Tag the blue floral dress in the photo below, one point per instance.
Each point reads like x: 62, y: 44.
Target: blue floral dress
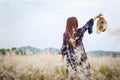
x: 76, y: 58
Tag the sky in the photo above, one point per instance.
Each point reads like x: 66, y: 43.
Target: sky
x: 41, y: 23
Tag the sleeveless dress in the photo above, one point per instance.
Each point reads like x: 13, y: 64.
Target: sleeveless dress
x: 76, y: 59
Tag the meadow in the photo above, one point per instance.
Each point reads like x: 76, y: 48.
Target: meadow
x: 46, y: 66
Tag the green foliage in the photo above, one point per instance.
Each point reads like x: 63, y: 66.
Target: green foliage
x: 107, y: 72
x: 60, y: 70
x: 3, y: 51
x: 14, y: 49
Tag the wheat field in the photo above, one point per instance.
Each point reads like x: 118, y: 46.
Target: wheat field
x: 50, y: 67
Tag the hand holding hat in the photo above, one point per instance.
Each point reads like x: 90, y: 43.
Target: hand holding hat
x: 101, y: 24
x: 98, y: 16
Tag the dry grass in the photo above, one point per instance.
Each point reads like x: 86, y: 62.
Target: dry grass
x: 50, y: 67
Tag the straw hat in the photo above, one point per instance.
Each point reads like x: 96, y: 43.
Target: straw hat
x: 101, y: 25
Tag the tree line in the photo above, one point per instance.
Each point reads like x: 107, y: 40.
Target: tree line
x: 11, y: 51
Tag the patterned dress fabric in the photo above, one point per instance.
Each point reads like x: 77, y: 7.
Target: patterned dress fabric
x: 76, y: 58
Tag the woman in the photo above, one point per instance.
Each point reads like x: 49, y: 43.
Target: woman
x: 76, y: 58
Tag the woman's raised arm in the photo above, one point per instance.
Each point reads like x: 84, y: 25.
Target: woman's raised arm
x: 89, y: 24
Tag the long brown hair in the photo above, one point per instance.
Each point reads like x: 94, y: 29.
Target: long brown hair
x: 71, y: 28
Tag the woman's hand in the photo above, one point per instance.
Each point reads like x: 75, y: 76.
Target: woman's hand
x: 98, y: 16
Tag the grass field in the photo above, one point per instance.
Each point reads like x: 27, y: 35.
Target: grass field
x: 50, y: 67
